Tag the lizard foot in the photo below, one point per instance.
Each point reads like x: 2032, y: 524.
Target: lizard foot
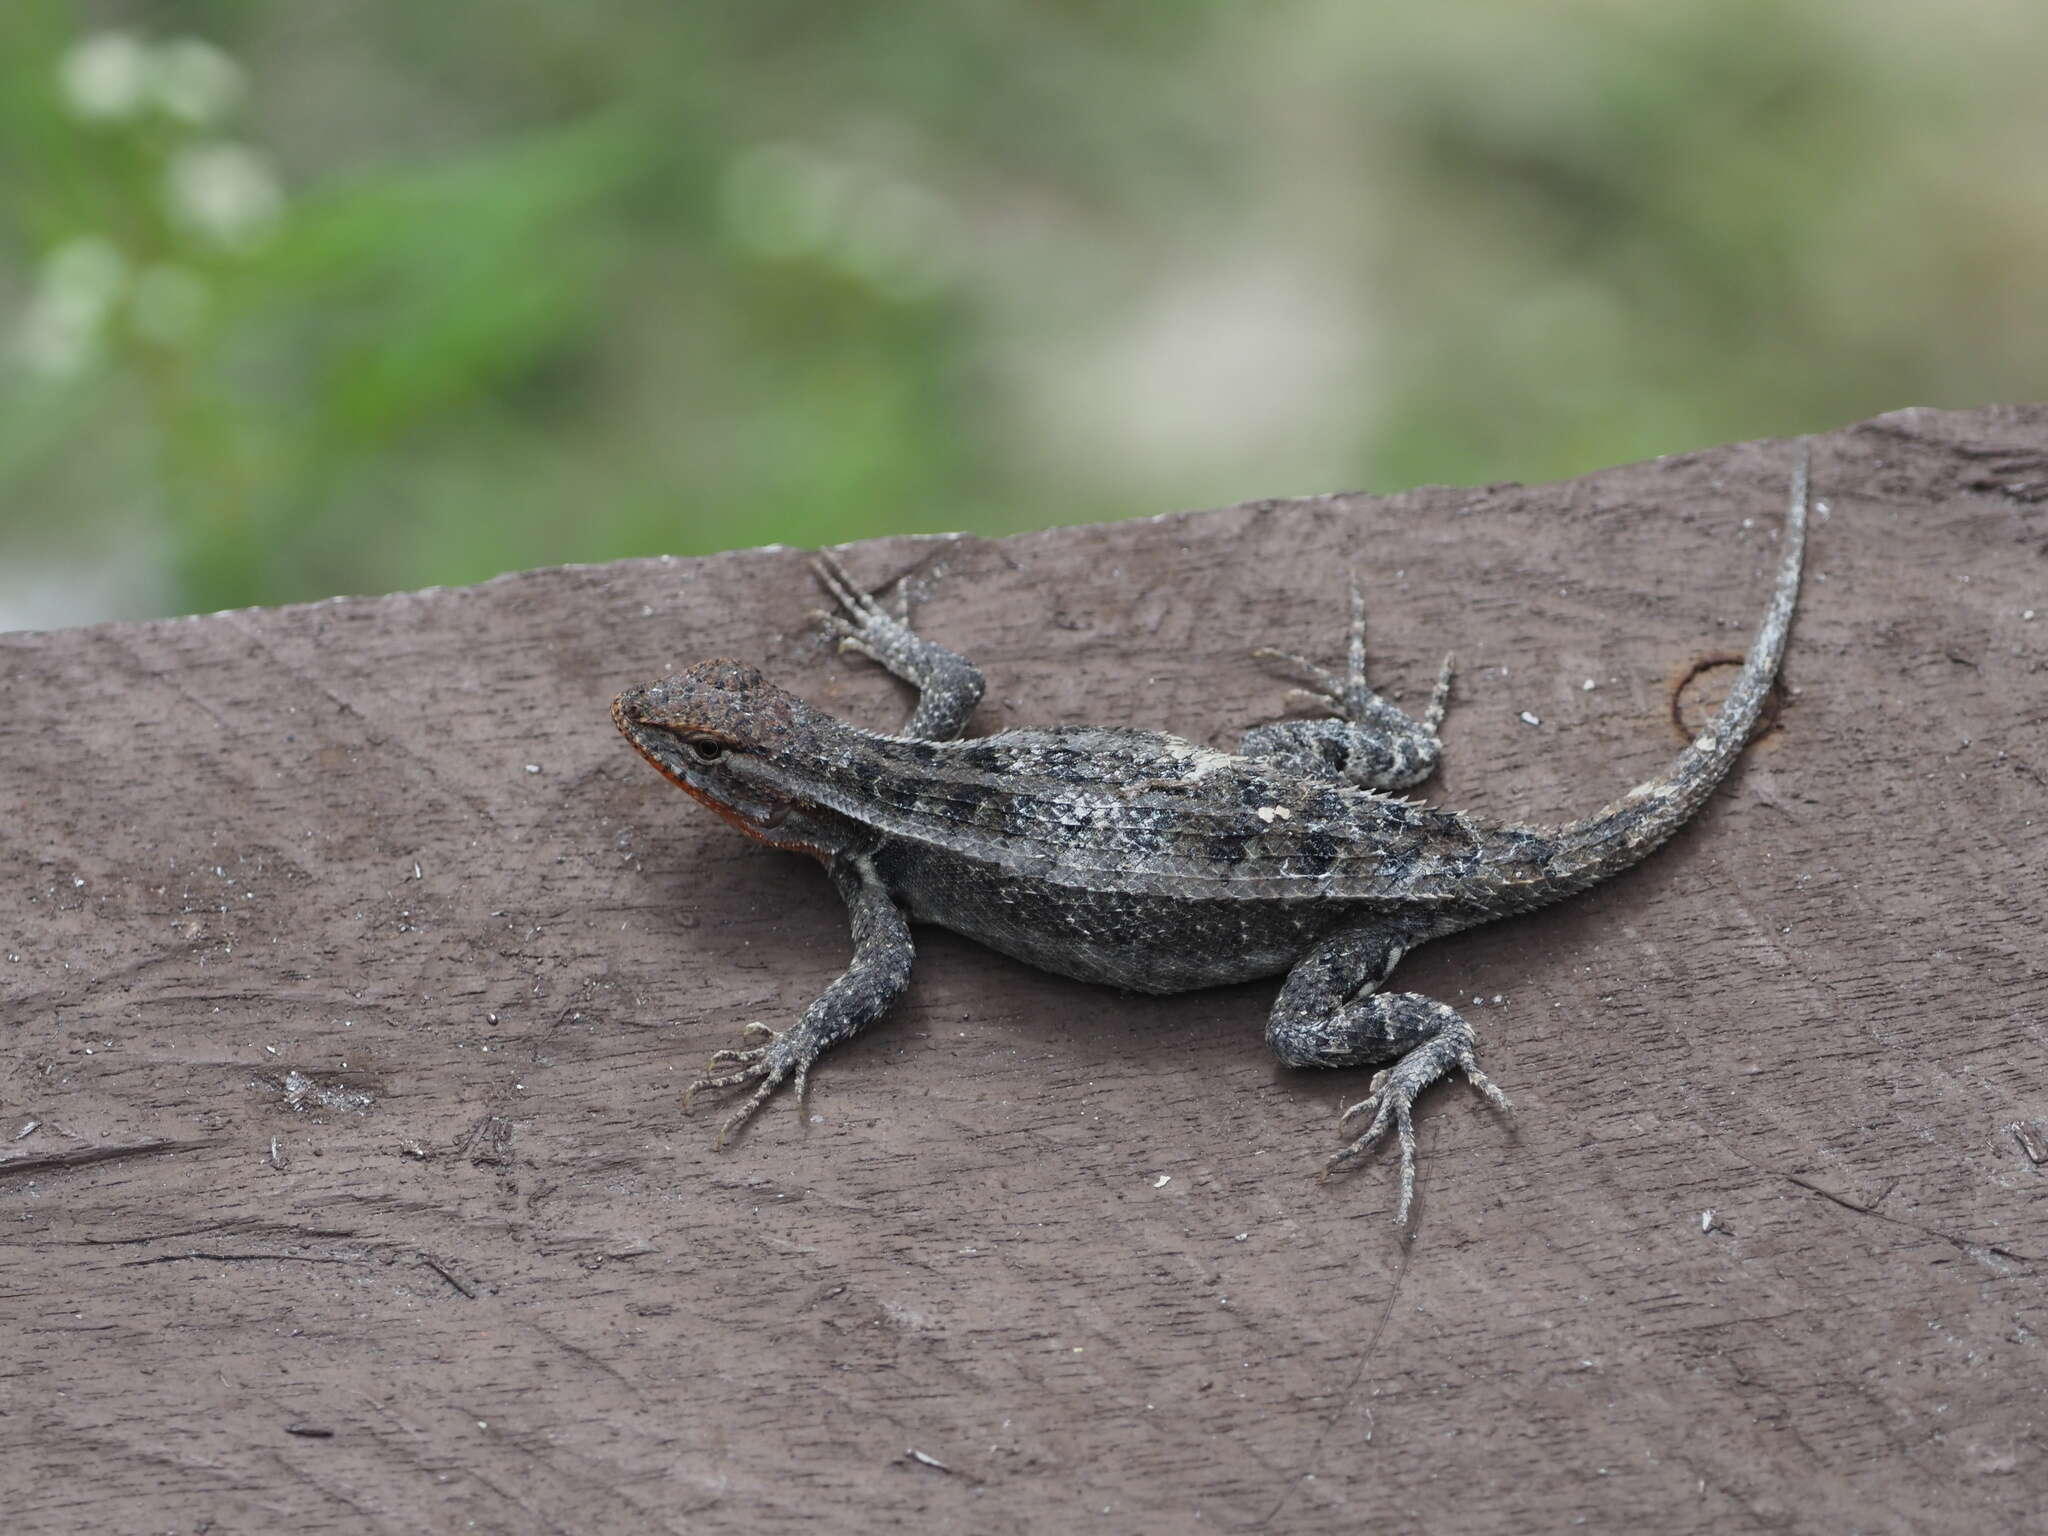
x: 1362, y: 737
x: 867, y: 627
x: 767, y: 1064
x: 1390, y: 1098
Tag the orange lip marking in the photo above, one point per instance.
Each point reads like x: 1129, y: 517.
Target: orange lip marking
x: 731, y: 813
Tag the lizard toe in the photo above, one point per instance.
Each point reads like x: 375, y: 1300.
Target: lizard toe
x: 1388, y: 1109
x: 747, y: 1062
x: 771, y: 1078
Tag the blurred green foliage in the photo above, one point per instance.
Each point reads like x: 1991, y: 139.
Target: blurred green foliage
x: 305, y: 299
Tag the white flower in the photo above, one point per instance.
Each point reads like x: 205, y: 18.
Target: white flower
x: 55, y: 339
x: 60, y: 331
x: 90, y: 269
x: 223, y: 191
x: 784, y: 201
x: 113, y: 76
x: 105, y: 77
x: 195, y: 81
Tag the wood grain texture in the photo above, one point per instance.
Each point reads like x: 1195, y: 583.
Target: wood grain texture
x: 353, y: 964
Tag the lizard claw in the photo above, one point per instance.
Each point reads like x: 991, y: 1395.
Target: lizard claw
x: 1316, y: 699
x: 864, y: 610
x: 1322, y: 684
x: 865, y: 623
x: 836, y: 630
x: 766, y: 1064
x: 1385, y: 1107
x: 845, y: 636
x: 1390, y: 1099
x: 833, y: 578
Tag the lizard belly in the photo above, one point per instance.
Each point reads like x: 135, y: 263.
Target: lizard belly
x: 1140, y: 941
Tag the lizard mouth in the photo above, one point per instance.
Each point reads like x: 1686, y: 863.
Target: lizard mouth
x: 661, y: 744
x: 750, y: 819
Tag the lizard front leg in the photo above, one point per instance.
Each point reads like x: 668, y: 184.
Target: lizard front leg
x: 1369, y: 742
x: 1331, y: 1013
x: 876, y: 978
x: 948, y: 684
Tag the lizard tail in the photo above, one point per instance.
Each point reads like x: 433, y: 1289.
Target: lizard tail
x: 1616, y: 836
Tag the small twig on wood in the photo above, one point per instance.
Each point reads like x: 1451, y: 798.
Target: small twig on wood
x: 81, y: 1157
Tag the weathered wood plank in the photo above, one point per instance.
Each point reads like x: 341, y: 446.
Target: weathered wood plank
x: 353, y: 965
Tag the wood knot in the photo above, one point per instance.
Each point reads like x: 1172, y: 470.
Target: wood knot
x: 1701, y: 688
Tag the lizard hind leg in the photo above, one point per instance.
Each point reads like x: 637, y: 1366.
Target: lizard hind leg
x: 1365, y: 739
x: 1433, y: 1039
x: 1331, y: 1013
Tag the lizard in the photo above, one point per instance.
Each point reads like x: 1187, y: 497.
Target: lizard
x: 1143, y: 861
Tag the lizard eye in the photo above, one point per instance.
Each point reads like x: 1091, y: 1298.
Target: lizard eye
x: 706, y: 749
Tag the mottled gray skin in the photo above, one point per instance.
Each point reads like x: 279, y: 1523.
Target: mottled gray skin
x: 1140, y: 860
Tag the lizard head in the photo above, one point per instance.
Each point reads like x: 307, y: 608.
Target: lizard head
x: 720, y: 731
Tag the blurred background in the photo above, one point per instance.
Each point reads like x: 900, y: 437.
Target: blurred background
x: 308, y: 298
